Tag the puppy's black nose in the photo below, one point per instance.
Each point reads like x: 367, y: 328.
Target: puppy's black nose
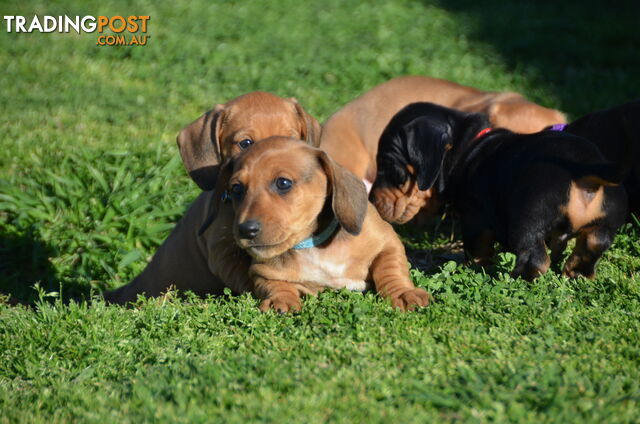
x: 249, y: 229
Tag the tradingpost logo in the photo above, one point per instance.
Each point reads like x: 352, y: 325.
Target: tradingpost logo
x: 125, y: 29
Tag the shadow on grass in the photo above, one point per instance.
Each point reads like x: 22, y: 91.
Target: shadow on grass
x: 24, y: 262
x: 432, y: 243
x: 586, y: 52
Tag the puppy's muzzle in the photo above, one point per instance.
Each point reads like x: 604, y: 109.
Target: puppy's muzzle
x: 249, y: 229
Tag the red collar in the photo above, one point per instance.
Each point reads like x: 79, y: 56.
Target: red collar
x: 481, y: 133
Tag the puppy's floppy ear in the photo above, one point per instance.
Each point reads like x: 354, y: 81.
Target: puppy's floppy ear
x: 226, y: 169
x: 309, y: 127
x: 348, y: 195
x: 199, y: 144
x: 427, y: 143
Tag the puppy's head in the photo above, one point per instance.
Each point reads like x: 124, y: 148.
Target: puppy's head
x: 280, y: 187
x: 513, y: 112
x: 410, y: 158
x: 229, y: 128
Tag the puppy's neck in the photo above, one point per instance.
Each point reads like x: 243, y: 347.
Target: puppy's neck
x: 324, y: 218
x: 465, y: 143
x: 324, y: 221
x: 326, y: 226
x: 471, y: 129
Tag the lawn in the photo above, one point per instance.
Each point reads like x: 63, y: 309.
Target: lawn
x: 91, y: 183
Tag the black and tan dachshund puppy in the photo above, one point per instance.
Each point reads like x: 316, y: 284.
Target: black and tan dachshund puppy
x: 609, y: 129
x: 527, y: 192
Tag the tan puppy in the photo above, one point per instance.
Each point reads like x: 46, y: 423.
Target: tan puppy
x: 200, y: 254
x: 308, y: 226
x: 351, y: 135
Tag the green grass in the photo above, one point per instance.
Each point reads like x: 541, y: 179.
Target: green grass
x: 91, y: 183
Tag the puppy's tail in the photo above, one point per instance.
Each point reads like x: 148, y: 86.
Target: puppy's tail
x: 612, y: 174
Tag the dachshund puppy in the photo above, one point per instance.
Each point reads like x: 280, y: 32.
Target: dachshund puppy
x: 528, y: 192
x: 351, y: 135
x: 608, y: 129
x: 306, y: 223
x: 200, y: 254
x: 231, y: 127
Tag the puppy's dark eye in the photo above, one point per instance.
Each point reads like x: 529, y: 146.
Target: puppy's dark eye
x: 245, y: 143
x: 283, y: 184
x: 237, y: 190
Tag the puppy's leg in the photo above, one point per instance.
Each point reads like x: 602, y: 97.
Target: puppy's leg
x: 529, y: 223
x: 478, y: 241
x: 590, y: 245
x: 527, y: 242
x: 557, y: 243
x: 532, y: 261
x: 390, y: 273
x: 593, y: 240
x: 130, y: 292
x: 279, y: 295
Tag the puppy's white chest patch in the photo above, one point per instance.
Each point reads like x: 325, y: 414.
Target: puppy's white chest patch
x: 329, y: 271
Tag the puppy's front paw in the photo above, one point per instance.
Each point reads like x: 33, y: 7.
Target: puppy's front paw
x: 408, y: 300
x: 575, y: 273
x: 282, y: 303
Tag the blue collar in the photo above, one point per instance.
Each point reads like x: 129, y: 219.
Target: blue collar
x: 319, y: 239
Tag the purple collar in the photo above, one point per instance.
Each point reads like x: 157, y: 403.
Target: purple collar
x: 558, y: 127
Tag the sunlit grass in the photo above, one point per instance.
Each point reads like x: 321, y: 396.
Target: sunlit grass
x: 91, y: 182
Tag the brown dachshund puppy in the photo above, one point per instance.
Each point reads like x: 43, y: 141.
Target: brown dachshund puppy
x: 307, y: 224
x: 200, y: 254
x: 231, y: 127
x: 351, y: 135
x: 525, y: 191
